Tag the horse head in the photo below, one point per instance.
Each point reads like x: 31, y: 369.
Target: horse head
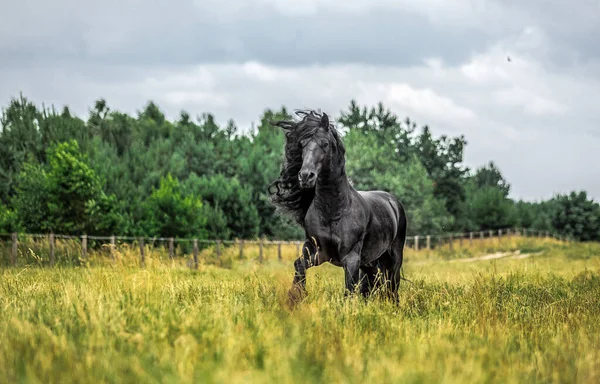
x: 316, y: 154
x: 313, y: 151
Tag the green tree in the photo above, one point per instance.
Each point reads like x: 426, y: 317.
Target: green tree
x: 172, y: 212
x: 20, y: 140
x: 59, y: 195
x: 526, y: 213
x: 231, y: 198
x: 61, y: 173
x: 443, y: 159
x: 489, y: 209
x: 72, y: 184
x: 577, y: 216
x: 490, y: 176
x: 32, y: 199
x: 8, y: 219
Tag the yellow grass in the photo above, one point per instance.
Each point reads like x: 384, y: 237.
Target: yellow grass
x: 526, y: 317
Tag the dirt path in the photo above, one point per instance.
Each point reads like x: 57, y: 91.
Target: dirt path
x: 498, y: 255
x: 491, y: 256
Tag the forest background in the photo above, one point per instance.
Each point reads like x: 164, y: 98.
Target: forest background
x: 144, y: 175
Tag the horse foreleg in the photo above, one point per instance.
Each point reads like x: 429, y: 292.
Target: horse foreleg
x: 351, y: 271
x: 300, y: 268
x: 308, y: 259
x: 298, y: 289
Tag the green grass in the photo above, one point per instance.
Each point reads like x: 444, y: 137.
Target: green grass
x: 535, y: 319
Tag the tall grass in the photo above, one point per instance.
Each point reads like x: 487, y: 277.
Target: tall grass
x: 506, y: 320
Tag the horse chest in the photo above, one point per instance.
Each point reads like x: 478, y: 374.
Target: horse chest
x: 336, y: 233
x: 328, y: 240
x: 329, y: 246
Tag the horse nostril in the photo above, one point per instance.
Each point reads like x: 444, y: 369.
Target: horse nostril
x: 306, y: 176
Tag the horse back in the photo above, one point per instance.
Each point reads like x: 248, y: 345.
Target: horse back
x: 383, y: 205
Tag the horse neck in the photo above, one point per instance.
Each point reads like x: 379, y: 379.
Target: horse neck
x: 332, y: 193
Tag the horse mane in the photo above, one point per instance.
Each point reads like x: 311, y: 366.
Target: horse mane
x: 288, y: 196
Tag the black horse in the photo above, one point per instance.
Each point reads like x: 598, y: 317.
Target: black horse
x: 362, y: 231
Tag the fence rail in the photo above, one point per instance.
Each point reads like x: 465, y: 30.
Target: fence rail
x: 417, y: 242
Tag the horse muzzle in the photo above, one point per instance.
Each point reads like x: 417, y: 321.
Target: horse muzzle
x: 307, y: 179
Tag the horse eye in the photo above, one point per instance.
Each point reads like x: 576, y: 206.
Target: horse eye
x: 325, y: 144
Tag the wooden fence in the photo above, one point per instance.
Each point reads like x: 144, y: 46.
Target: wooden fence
x: 416, y: 243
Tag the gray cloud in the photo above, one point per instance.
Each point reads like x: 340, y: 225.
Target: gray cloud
x: 182, y: 34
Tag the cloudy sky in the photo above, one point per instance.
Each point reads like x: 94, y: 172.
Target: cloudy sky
x: 443, y: 63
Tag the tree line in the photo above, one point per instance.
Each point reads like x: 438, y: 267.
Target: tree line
x: 144, y: 175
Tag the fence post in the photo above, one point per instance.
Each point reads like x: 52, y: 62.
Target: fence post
x: 460, y: 240
x: 481, y: 235
x: 416, y: 242
x: 470, y: 238
x: 547, y: 234
x: 524, y: 232
x: 218, y: 249
x: 241, y: 249
x: 112, y: 248
x: 84, y: 246
x: 195, y: 253
x: 491, y: 233
x: 451, y: 241
x: 298, y: 249
x: 260, y: 251
x: 171, y: 248
x: 428, y: 242
x: 51, y: 240
x: 142, y: 254
x: 14, y: 248
x: 279, y: 251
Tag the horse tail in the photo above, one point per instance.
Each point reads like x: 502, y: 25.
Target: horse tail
x: 401, y: 219
x: 397, y: 248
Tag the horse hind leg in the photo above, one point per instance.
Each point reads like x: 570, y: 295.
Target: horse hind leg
x: 390, y: 265
x: 397, y: 253
x: 368, y: 280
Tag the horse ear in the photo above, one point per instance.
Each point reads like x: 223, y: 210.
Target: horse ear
x: 325, y: 121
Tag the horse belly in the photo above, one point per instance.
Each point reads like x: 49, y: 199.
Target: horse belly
x: 377, y: 241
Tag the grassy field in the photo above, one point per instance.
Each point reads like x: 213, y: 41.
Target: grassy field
x: 532, y: 316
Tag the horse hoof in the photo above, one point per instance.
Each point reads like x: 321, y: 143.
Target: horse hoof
x: 296, y: 294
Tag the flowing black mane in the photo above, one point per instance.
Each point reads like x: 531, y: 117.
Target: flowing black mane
x: 286, y: 192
